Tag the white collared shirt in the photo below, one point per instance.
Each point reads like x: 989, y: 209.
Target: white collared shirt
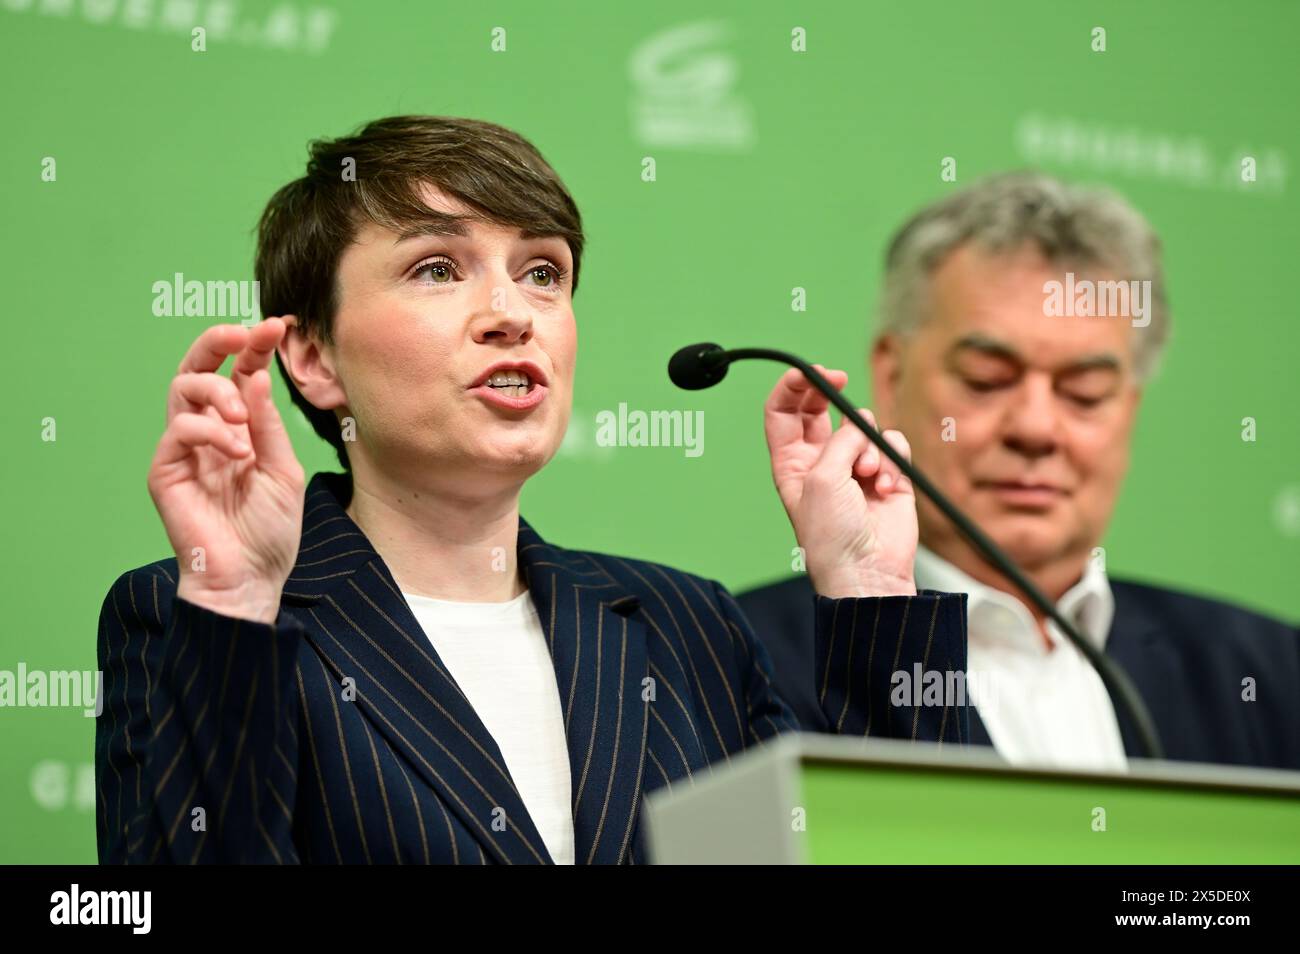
x: 1041, y: 706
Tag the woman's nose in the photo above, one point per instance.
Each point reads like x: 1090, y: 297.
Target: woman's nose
x: 498, y: 314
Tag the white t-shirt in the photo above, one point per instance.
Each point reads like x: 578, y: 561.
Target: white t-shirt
x: 497, y: 654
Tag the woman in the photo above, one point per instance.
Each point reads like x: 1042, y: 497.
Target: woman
x: 390, y: 664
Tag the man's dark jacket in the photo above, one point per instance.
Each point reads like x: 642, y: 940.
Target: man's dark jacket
x: 1222, y: 683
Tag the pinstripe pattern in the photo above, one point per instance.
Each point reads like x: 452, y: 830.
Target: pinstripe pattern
x: 338, y: 735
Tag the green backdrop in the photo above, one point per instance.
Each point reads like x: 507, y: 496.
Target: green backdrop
x: 775, y: 169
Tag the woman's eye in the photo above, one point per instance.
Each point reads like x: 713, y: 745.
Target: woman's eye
x: 982, y: 387
x: 542, y: 276
x: 439, y: 272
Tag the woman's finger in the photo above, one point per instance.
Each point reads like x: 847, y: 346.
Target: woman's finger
x: 262, y: 341
x: 210, y: 349
x: 840, y: 454
x: 891, y: 478
x: 265, y: 427
x: 188, y: 431
x: 814, y: 401
x: 197, y: 391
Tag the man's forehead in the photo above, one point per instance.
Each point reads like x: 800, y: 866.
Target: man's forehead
x: 1010, y: 324
x: 998, y: 304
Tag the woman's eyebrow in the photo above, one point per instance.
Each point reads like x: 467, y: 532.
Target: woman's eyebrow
x: 444, y: 225
x: 456, y: 225
x: 526, y: 234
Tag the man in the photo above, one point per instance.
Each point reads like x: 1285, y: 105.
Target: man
x: 391, y: 664
x: 1015, y: 362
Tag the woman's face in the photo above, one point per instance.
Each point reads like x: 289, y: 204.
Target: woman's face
x: 422, y: 320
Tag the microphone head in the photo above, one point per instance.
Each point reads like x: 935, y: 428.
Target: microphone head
x: 698, y: 366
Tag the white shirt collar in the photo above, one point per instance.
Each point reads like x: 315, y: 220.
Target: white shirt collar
x: 995, y: 616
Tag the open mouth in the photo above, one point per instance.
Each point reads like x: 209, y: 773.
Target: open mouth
x: 514, y: 384
x: 519, y: 386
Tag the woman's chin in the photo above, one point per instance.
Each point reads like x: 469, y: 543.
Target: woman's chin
x: 514, y: 457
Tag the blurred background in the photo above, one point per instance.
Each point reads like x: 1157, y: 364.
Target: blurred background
x: 129, y: 157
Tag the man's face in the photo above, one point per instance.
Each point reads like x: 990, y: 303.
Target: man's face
x: 1023, y: 420
x: 420, y: 321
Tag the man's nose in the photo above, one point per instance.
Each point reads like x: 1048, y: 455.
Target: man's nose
x: 1032, y: 425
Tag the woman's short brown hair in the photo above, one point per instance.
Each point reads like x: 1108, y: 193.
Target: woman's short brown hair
x: 375, y: 176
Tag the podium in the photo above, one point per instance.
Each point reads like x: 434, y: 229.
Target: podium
x: 822, y: 799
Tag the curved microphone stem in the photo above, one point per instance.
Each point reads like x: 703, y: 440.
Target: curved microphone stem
x: 1122, y: 691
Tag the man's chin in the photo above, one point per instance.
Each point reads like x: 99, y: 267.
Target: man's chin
x: 1029, y: 539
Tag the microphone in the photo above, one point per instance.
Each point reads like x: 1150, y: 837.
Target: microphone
x: 697, y: 367
x: 700, y: 366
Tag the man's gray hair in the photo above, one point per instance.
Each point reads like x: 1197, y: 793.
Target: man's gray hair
x: 1085, y: 228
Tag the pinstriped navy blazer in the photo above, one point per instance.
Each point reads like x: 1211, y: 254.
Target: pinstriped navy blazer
x: 338, y: 735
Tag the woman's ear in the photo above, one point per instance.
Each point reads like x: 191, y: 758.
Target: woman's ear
x: 310, y: 366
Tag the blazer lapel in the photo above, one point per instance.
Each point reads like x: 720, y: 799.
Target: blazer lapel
x: 361, y: 625
x: 598, y: 647
x: 1132, y: 643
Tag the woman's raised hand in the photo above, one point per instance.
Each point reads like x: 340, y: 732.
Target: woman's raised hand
x: 225, y: 478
